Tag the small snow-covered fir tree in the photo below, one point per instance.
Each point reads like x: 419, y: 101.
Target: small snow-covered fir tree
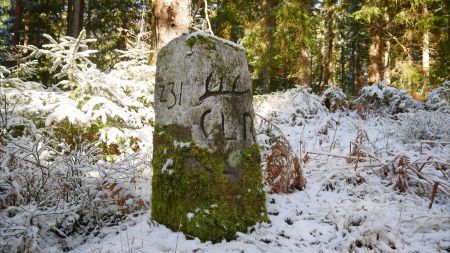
x: 56, y: 145
x: 70, y: 57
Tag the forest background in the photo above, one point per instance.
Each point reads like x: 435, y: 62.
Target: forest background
x: 346, y: 44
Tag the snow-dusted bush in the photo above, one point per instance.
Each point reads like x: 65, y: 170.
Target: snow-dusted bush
x: 388, y: 99
x: 49, y: 192
x: 439, y: 98
x: 423, y: 125
x: 293, y: 106
x: 71, y: 159
x: 334, y: 99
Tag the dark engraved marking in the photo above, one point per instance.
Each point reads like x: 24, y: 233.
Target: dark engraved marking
x: 174, y: 96
x: 209, y: 93
x: 202, y: 122
x: 221, y: 85
x: 162, y: 94
x: 181, y: 92
x: 245, y: 116
x: 208, y: 80
x: 223, y: 122
x: 223, y: 129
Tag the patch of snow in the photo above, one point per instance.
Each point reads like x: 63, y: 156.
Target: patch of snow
x: 439, y: 98
x: 67, y: 109
x: 166, y: 166
x: 210, y: 36
x: 179, y: 144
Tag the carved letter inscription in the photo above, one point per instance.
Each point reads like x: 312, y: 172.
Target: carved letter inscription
x: 220, y: 91
x: 202, y: 122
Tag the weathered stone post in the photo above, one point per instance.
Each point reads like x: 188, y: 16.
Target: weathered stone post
x: 206, y: 163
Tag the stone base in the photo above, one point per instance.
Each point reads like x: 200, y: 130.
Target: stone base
x: 190, y: 188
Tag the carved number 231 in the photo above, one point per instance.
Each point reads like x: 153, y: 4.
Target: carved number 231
x: 172, y: 92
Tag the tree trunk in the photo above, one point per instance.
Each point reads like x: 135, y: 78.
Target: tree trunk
x: 88, y: 18
x: 69, y: 17
x: 304, y: 77
x: 376, y: 71
x: 353, y: 68
x: 387, y: 62
x: 343, y: 65
x: 269, y: 27
x: 17, y: 22
x: 305, y: 55
x: 330, y: 75
x: 426, y: 53
x: 359, y: 70
x: 75, y: 13
x: 171, y: 19
x: 321, y: 62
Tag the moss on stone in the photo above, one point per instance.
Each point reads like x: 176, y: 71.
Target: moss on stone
x: 209, y: 43
x: 193, y: 191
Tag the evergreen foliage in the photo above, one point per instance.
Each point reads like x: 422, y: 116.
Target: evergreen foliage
x: 346, y: 43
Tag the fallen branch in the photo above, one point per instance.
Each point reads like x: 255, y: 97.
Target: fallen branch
x: 431, y: 142
x: 26, y: 160
x: 369, y: 152
x: 421, y: 176
x: 333, y: 155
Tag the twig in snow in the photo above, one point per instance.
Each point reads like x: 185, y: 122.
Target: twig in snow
x: 334, y: 135
x: 178, y: 234
x: 433, y: 194
x: 431, y: 142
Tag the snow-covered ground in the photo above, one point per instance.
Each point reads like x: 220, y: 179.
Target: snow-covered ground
x: 347, y: 206
x: 75, y: 161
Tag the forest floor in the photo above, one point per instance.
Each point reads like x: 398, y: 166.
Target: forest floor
x: 378, y: 204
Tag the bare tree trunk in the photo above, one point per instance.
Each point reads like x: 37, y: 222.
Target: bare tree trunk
x: 305, y: 67
x: 269, y: 27
x: 75, y: 13
x: 88, y: 18
x: 171, y: 19
x: 26, y: 39
x: 353, y: 68
x: 330, y: 75
x: 426, y: 53
x: 376, y: 71
x: 321, y: 63
x: 342, y: 64
x: 207, y: 18
x: 358, y: 71
x: 387, y: 61
x: 69, y: 17
x: 17, y: 22
x: 305, y: 54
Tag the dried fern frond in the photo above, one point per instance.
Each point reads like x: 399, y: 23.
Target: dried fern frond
x: 284, y: 173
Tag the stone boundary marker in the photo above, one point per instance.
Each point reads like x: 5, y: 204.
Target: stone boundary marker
x: 206, y: 163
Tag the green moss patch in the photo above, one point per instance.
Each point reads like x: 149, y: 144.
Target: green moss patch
x: 191, y: 191
x: 203, y: 40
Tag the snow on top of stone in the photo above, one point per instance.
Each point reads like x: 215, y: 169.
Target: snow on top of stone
x: 203, y: 34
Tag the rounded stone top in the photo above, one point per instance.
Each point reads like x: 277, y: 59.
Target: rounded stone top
x: 203, y: 85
